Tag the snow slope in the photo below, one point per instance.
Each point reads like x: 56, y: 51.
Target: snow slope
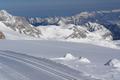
x: 13, y: 35
x: 80, y: 34
x: 17, y: 26
x: 30, y: 60
x: 17, y: 66
x: 71, y: 31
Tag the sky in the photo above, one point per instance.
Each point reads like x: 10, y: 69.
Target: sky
x: 46, y: 8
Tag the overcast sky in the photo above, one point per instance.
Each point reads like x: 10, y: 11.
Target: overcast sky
x: 43, y: 8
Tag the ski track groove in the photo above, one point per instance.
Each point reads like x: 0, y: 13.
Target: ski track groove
x: 36, y: 67
x: 39, y: 61
x: 40, y: 65
x: 6, y: 70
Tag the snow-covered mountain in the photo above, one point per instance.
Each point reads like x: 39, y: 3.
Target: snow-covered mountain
x: 83, y: 25
x: 86, y: 26
x: 108, y: 19
x: 14, y: 27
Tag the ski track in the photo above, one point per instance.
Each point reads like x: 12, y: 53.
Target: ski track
x: 39, y: 65
x: 14, y: 76
x: 36, y: 70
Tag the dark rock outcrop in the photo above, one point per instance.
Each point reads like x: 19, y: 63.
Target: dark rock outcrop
x: 2, y: 36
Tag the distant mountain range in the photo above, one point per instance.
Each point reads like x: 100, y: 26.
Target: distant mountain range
x: 109, y: 19
x: 98, y: 25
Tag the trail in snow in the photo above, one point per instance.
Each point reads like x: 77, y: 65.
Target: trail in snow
x: 7, y: 73
x: 35, y: 69
x: 29, y: 71
x: 36, y: 72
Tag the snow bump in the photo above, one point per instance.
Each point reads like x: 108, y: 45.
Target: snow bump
x: 113, y: 63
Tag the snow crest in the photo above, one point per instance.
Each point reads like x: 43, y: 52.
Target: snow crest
x: 69, y: 56
x: 84, y: 60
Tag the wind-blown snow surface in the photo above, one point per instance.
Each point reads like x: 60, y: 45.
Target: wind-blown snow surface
x: 86, y: 62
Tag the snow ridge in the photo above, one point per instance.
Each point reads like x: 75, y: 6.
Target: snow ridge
x: 69, y: 57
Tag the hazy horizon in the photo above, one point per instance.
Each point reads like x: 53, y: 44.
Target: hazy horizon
x: 45, y: 8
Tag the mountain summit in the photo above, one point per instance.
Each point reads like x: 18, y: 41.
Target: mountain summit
x: 5, y: 16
